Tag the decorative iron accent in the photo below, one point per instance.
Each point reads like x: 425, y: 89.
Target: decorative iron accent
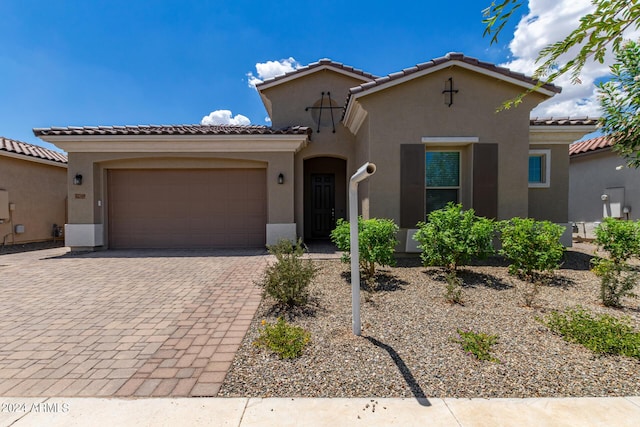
x: 323, y: 107
x: 448, y: 89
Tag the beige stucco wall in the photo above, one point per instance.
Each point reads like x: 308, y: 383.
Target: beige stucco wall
x: 88, y: 203
x: 405, y: 113
x: 362, y: 156
x: 38, y: 191
x: 589, y: 177
x: 289, y: 101
x: 552, y: 203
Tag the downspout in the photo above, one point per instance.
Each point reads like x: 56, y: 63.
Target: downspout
x: 361, y: 174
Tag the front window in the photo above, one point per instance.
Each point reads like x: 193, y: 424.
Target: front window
x: 536, y: 169
x: 442, y: 179
x: 539, y: 168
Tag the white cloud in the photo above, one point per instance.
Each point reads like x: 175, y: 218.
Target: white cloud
x: 550, y: 21
x: 267, y: 119
x: 224, y: 117
x: 266, y: 70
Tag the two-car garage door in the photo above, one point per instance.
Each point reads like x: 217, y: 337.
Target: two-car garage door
x: 186, y: 208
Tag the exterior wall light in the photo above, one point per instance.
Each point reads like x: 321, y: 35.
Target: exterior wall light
x: 77, y: 180
x: 281, y: 179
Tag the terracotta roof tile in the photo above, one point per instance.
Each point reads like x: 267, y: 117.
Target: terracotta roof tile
x: 171, y: 130
x: 592, y: 144
x: 453, y: 56
x: 30, y: 150
x: 320, y: 63
x: 563, y: 121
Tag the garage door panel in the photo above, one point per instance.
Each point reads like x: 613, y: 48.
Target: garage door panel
x: 256, y: 207
x: 187, y: 208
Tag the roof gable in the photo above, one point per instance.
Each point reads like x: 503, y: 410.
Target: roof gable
x: 323, y: 64
x: 354, y: 114
x: 449, y: 60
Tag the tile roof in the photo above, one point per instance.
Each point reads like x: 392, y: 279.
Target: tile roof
x: 30, y: 150
x: 171, y: 130
x: 589, y: 145
x: 320, y: 63
x: 563, y: 121
x: 452, y: 56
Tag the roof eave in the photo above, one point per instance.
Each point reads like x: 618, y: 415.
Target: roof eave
x: 354, y: 116
x: 590, y: 152
x: 187, y: 143
x: 32, y: 159
x: 558, y: 134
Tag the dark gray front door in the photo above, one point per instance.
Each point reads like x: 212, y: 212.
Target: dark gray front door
x: 323, y: 204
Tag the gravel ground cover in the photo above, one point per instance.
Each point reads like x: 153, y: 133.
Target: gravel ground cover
x: 406, y: 347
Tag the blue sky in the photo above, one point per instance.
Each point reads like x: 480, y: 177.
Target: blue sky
x: 77, y: 63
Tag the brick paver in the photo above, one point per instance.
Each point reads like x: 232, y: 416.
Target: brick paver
x: 123, y: 323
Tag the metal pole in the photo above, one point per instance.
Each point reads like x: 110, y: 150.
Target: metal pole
x: 361, y: 174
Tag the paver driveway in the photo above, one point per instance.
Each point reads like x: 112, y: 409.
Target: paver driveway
x: 123, y: 323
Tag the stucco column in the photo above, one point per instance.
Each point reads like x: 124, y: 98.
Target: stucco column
x: 83, y: 229
x: 280, y: 198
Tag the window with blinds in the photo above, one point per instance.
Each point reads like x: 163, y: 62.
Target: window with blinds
x: 442, y: 179
x: 535, y: 169
x: 539, y: 168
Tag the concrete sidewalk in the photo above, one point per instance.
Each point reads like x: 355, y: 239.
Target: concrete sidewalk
x: 615, y: 411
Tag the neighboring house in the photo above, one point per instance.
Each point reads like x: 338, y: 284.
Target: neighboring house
x: 600, y: 185
x: 432, y: 130
x: 33, y: 192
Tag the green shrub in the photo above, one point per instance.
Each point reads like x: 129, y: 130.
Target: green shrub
x: 376, y: 242
x: 477, y: 343
x: 531, y: 246
x: 287, y: 280
x: 620, y: 238
x: 286, y: 340
x: 617, y: 281
x: 601, y: 334
x: 451, y: 237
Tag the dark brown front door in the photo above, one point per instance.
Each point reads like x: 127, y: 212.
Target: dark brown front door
x: 323, y: 205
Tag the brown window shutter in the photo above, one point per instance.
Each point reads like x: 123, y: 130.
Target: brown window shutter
x: 485, y: 180
x: 412, y: 184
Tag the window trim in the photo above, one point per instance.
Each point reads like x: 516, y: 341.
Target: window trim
x: 545, y: 154
x: 458, y: 187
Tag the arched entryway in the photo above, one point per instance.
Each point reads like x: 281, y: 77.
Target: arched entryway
x: 325, y: 195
